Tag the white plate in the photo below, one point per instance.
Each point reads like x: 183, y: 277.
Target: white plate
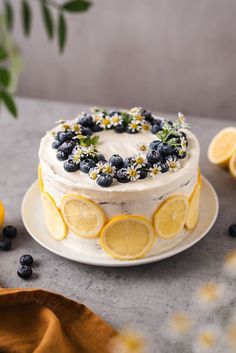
x: 88, y: 250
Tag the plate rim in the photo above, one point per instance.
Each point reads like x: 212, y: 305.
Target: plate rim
x: 126, y: 263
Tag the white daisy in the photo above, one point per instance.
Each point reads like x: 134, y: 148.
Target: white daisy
x: 135, y: 111
x: 93, y: 173
x: 173, y: 164
x: 142, y: 147
x: 76, y: 128
x: 146, y: 126
x: 97, y: 116
x: 77, y: 154
x: 139, y: 160
x: 134, y: 126
x: 133, y: 173
x: 116, y: 119
x: 108, y: 169
x: 154, y: 170
x: 100, y: 165
x: 105, y: 122
x: 88, y: 150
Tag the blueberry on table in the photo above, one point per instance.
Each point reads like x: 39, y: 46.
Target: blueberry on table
x: 64, y: 136
x: 56, y: 144
x: 105, y: 180
x: 86, y: 165
x: 153, y: 156
x: 70, y: 166
x: 9, y: 232
x: 232, y: 230
x: 67, y: 147
x: 5, y: 244
x: 116, y: 161
x: 121, y: 176
x: 62, y: 156
x: 25, y: 272
x: 26, y: 260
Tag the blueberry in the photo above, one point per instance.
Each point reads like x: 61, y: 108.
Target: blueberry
x: 101, y: 157
x: 104, y: 180
x: 182, y: 155
x: 154, y: 145
x: 232, y: 230
x: 97, y: 128
x: 127, y: 162
x: 86, y: 131
x: 114, y: 112
x: 26, y: 260
x: 148, y: 116
x: 155, y: 128
x: 143, y: 173
x: 121, y: 176
x: 62, y: 156
x: 67, y: 147
x: 120, y: 129
x: 56, y: 144
x: 25, y: 272
x: 116, y: 161
x: 165, y: 149
x: 63, y: 136
x: 86, y: 120
x: 164, y: 167
x: 153, y: 156
x: 5, y: 244
x: 86, y: 165
x: 70, y: 166
x: 9, y: 232
x: 157, y: 121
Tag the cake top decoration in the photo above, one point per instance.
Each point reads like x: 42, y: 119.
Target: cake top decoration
x: 77, y: 143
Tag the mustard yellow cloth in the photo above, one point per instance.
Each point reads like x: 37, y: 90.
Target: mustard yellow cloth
x: 37, y: 321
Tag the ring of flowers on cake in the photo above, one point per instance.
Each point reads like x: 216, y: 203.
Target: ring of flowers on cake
x: 127, y: 236
x: 77, y: 148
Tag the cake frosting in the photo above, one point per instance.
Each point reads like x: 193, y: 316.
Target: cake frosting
x: 139, y: 197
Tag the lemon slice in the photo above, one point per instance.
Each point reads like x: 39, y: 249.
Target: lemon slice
x: 2, y: 214
x: 232, y: 165
x: 40, y: 179
x: 127, y: 237
x: 194, y: 207
x: 83, y: 216
x: 169, y: 219
x: 53, y: 218
x: 199, y: 178
x: 222, y: 146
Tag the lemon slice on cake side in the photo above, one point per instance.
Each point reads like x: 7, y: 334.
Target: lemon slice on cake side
x: 222, y: 147
x: 127, y: 237
x: 2, y: 214
x: 170, y: 217
x: 82, y: 216
x: 194, y: 208
x: 53, y: 218
x: 232, y: 165
x: 40, y: 178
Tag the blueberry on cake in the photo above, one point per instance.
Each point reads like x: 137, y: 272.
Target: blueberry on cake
x: 125, y: 176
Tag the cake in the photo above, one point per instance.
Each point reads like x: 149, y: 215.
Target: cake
x: 126, y: 177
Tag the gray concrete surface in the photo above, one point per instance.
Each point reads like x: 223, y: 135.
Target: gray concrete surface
x: 140, y: 296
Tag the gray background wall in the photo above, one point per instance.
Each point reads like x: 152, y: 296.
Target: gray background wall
x: 166, y: 55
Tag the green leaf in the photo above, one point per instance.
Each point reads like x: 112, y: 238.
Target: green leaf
x: 5, y: 77
x: 62, y: 32
x: 8, y: 100
x: 48, y: 20
x: 94, y: 140
x: 76, y: 5
x: 3, y: 54
x: 26, y: 17
x: 9, y: 14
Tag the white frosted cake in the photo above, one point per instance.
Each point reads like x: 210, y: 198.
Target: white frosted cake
x: 127, y: 177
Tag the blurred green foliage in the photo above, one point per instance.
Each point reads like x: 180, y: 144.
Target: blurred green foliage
x: 55, y: 25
